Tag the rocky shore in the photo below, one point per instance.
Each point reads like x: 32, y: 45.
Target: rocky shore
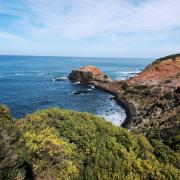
x: 149, y: 98
x: 91, y: 75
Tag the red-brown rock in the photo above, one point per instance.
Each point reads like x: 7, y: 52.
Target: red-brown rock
x: 164, y: 71
x: 88, y: 74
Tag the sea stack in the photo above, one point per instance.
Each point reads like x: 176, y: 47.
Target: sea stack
x: 88, y: 74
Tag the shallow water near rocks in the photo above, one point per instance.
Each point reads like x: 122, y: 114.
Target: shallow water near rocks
x: 29, y: 83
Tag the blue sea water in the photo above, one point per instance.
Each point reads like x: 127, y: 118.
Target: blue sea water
x: 27, y: 84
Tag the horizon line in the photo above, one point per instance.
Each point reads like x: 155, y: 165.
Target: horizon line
x: 65, y: 56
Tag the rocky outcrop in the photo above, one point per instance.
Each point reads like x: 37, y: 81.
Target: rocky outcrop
x: 88, y: 74
x: 150, y: 98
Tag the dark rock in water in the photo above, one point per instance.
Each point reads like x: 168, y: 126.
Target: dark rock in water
x: 88, y: 74
x: 79, y: 92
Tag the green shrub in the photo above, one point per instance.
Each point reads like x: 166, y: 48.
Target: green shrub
x: 64, y: 144
x: 168, y: 96
x: 50, y: 155
x: 168, y: 81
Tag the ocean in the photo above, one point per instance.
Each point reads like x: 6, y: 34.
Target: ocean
x: 27, y: 84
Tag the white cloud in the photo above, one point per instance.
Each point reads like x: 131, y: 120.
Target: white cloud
x: 12, y: 37
x: 82, y: 18
x: 94, y: 27
x: 90, y: 18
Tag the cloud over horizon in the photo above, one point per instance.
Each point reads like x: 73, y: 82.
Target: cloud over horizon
x: 91, y: 21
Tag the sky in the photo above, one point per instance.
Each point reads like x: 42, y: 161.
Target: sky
x: 91, y: 28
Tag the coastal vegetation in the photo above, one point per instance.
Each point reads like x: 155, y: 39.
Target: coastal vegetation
x: 173, y: 56
x: 64, y: 144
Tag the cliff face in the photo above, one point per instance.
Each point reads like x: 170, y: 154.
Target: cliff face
x: 165, y: 71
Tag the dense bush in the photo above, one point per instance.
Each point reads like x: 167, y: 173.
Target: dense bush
x: 139, y: 89
x: 167, y: 132
x: 63, y: 144
x: 8, y: 137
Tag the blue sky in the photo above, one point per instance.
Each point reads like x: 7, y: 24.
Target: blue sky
x: 104, y: 28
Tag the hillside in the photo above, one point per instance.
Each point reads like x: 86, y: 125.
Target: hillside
x: 164, y: 71
x: 63, y: 144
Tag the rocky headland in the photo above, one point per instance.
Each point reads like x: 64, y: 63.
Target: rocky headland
x: 150, y: 99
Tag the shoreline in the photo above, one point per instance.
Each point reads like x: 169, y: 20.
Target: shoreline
x: 128, y: 123
x: 123, y: 103
x: 90, y: 75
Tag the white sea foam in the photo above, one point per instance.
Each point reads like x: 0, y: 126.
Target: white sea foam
x: 89, y: 89
x: 116, y: 118
x: 124, y: 75
x: 60, y: 78
x: 63, y: 77
x: 91, y: 86
x: 77, y: 82
x: 127, y: 72
x: 66, y: 78
x: 24, y: 74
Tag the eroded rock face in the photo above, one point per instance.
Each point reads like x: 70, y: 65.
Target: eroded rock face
x: 164, y: 71
x: 88, y: 74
